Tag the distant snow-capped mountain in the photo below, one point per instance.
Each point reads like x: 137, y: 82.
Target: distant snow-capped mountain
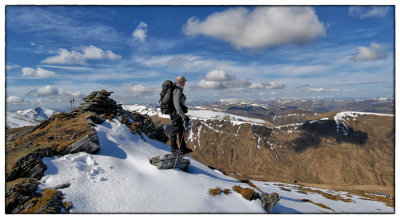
x: 28, y: 117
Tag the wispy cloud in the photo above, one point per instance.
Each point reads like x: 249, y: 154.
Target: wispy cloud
x: 81, y: 55
x: 9, y: 67
x: 40, y: 21
x: 261, y: 27
x: 267, y: 86
x: 303, y: 85
x: 73, y: 68
x: 37, y: 73
x: 322, y: 90
x: 364, y: 12
x: 360, y: 83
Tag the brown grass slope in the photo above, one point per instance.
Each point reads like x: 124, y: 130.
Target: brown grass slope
x: 314, y: 152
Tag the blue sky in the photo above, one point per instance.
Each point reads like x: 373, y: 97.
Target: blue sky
x: 56, y: 53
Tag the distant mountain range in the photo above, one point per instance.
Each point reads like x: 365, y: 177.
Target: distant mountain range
x: 30, y: 117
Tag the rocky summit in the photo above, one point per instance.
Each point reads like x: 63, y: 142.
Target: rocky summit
x: 99, y: 102
x: 61, y: 134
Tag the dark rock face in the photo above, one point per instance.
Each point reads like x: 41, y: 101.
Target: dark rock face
x: 31, y: 166
x: 144, y: 124
x: 23, y: 198
x: 20, y: 193
x: 89, y: 144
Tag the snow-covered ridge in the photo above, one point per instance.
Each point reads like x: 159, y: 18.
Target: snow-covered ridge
x: 199, y: 113
x: 120, y: 179
x: 28, y: 117
x: 340, y: 117
x: 143, y: 109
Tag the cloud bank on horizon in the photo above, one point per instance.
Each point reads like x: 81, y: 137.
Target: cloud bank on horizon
x: 55, y: 53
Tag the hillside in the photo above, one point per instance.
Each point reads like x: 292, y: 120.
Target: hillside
x: 319, y: 151
x: 347, y: 149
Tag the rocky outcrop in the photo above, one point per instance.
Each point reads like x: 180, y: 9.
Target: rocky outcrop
x: 89, y: 144
x: 143, y: 124
x: 31, y: 165
x: 19, y: 193
x: 22, y: 197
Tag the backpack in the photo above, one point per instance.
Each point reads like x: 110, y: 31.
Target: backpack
x: 166, y: 99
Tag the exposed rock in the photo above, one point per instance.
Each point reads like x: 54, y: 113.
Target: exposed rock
x: 21, y: 197
x: 144, y: 124
x: 19, y: 193
x: 31, y: 165
x: 62, y: 186
x: 97, y: 119
x: 269, y: 201
x: 89, y: 143
x: 49, y: 201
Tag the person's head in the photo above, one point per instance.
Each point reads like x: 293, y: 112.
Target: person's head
x: 181, y: 80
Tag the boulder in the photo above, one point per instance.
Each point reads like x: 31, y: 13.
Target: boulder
x: 89, y: 143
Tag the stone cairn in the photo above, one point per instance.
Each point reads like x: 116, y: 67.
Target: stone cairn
x: 100, y: 103
x: 104, y: 108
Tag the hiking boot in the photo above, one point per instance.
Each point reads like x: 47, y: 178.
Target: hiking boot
x: 186, y: 150
x: 174, y: 149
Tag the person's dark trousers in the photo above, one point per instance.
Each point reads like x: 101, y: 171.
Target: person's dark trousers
x: 177, y: 132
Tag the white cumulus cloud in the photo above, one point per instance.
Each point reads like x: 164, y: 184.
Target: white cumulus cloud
x: 81, y: 55
x: 373, y: 52
x: 139, y: 90
x: 37, y: 73
x: 218, y: 75
x: 140, y: 32
x: 363, y: 12
x: 14, y: 100
x: 44, y: 91
x: 219, y: 79
x: 205, y: 84
x: 261, y: 27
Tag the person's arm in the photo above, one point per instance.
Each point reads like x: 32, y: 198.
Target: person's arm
x: 177, y: 103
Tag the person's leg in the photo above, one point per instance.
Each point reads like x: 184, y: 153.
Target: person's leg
x: 181, y: 140
x: 174, y: 132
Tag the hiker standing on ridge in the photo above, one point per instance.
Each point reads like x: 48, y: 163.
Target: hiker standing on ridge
x: 178, y: 117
